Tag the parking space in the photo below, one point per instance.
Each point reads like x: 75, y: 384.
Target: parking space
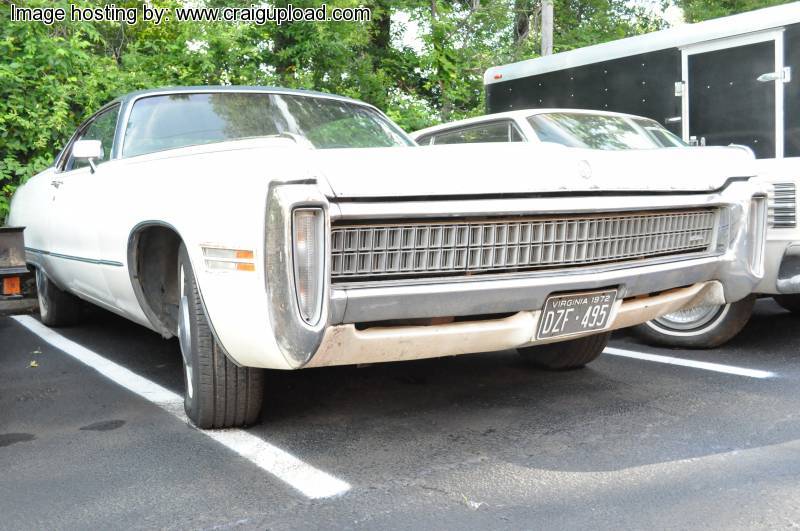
x: 479, y: 441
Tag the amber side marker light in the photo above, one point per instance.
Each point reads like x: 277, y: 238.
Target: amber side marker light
x: 12, y: 286
x: 221, y: 259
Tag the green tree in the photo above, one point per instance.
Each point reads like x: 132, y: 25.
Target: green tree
x: 53, y: 77
x: 49, y: 78
x: 698, y: 10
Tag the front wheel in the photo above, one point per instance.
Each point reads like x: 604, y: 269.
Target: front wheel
x: 698, y: 327
x: 218, y: 393
x: 566, y: 355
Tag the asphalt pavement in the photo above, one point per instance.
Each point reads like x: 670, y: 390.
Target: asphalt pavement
x: 471, y: 442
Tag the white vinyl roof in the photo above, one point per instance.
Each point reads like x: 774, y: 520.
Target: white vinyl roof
x: 677, y: 37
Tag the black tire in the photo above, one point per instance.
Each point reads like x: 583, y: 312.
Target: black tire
x: 218, y: 393
x: 710, y: 332
x: 789, y: 302
x: 56, y: 307
x: 566, y: 355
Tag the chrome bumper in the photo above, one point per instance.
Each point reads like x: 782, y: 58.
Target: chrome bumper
x: 736, y: 269
x: 525, y: 292
x: 346, y: 345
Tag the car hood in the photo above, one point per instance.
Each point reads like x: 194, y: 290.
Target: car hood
x: 498, y: 169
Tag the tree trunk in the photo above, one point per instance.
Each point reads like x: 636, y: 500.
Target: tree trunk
x: 547, y: 27
x: 522, y: 21
x: 381, y: 37
x: 446, y: 106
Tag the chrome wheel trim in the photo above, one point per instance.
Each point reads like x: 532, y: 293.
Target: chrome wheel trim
x: 692, y: 321
x: 40, y: 287
x: 185, y: 336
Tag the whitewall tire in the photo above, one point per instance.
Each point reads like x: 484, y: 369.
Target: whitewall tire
x: 700, y: 327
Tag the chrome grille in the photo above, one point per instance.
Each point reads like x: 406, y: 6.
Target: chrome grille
x: 373, y: 251
x: 783, y: 206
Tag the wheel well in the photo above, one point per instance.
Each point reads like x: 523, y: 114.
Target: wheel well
x: 153, y: 266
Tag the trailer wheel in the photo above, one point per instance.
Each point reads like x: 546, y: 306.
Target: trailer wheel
x: 218, y: 393
x: 701, y: 327
x: 56, y: 307
x: 789, y: 302
x: 566, y: 355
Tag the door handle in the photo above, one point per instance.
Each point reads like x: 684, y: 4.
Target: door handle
x: 784, y: 75
x: 56, y: 184
x: 673, y: 120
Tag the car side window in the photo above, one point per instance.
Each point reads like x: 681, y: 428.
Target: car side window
x: 101, y: 128
x: 498, y: 131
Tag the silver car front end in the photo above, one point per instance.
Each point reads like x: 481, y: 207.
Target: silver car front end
x: 382, y: 308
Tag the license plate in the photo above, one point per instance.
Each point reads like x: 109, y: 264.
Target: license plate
x: 565, y: 315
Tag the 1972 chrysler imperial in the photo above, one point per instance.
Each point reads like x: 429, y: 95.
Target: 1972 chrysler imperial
x: 280, y: 229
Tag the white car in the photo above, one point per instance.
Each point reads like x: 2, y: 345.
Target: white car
x: 703, y: 326
x: 279, y: 229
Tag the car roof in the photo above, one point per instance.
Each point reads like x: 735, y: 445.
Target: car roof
x: 131, y: 96
x: 520, y: 113
x: 126, y: 102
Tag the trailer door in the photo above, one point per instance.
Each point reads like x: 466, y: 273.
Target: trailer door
x: 733, y: 92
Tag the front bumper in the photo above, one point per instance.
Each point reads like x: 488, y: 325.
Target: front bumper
x: 465, y: 297
x: 346, y: 344
x: 646, y: 290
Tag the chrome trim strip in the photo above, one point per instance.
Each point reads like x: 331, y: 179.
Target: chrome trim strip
x: 539, y: 206
x: 633, y: 192
x: 94, y: 261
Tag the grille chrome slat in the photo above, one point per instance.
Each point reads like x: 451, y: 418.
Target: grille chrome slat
x: 783, y: 206
x: 369, y: 252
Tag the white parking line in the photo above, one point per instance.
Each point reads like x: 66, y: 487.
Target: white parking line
x: 716, y: 367
x: 310, y: 481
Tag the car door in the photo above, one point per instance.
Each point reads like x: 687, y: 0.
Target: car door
x: 76, y: 211
x: 733, y: 92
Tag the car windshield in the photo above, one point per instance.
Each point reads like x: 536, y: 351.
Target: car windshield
x: 602, y: 131
x: 172, y: 121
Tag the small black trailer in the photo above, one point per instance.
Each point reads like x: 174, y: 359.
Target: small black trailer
x: 723, y: 81
x: 17, y: 285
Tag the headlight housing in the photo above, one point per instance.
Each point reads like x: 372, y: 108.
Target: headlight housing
x: 308, y: 251
x: 758, y: 230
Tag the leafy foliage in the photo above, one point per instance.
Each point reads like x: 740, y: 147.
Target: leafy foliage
x: 698, y: 10
x: 53, y: 77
